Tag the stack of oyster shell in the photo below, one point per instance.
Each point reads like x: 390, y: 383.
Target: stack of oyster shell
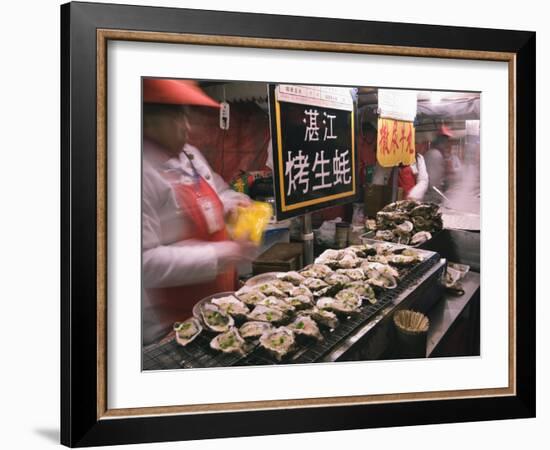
x: 408, y: 222
x: 294, y: 307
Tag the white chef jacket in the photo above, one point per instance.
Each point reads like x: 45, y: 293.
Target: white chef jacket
x: 168, y: 258
x: 382, y: 175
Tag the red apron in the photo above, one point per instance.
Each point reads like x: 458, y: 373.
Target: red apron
x: 175, y: 304
x: 406, y: 180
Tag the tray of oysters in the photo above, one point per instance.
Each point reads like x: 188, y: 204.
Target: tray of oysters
x: 276, y: 311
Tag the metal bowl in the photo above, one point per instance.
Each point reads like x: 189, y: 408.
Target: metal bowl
x: 263, y: 278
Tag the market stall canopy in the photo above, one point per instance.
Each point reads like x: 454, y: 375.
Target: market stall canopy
x: 466, y: 108
x: 236, y: 92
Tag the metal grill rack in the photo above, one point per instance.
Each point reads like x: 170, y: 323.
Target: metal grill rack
x: 198, y: 354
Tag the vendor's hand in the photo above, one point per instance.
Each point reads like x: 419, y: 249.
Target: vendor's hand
x: 243, y: 202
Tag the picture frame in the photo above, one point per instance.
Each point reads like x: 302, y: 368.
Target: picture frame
x: 86, y: 419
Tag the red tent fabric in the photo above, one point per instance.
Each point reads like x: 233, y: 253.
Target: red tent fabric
x: 241, y: 148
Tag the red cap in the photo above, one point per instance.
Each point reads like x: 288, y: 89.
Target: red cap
x: 175, y: 92
x: 445, y: 131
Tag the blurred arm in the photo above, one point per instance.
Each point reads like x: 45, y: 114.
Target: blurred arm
x: 422, y: 180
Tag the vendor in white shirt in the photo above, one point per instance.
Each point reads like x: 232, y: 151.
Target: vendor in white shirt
x: 185, y: 247
x: 412, y: 179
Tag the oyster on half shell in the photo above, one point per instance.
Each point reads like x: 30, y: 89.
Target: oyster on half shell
x: 187, y: 331
x: 335, y: 278
x: 352, y: 274
x: 266, y: 314
x: 229, y: 342
x: 277, y: 303
x: 231, y: 305
x: 278, y: 341
x: 292, y: 277
x: 215, y: 319
x: 304, y: 325
x: 314, y: 284
x: 300, y: 301
x: 249, y: 295
x: 254, y: 329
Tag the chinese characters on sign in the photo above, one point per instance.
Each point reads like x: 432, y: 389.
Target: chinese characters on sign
x: 395, y: 143
x: 314, y: 162
x: 298, y: 166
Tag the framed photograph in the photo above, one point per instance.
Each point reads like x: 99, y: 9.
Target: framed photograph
x: 278, y: 224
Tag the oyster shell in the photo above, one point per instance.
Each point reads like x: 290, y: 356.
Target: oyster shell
x: 339, y: 306
x: 401, y: 205
x: 422, y: 223
x: 266, y: 314
x: 284, y: 286
x: 349, y: 261
x: 277, y: 303
x: 304, y: 325
x: 269, y: 289
x: 231, y: 305
x: 292, y: 277
x: 388, y: 219
x: 316, y: 271
x: 229, y: 342
x: 329, y: 291
x: 301, y: 290
x: 383, y: 281
x: 352, y: 274
x: 187, y: 331
x: 254, y: 329
x: 383, y: 259
x: 425, y: 209
x: 420, y: 237
x: 323, y: 317
x: 404, y: 228
x: 363, y: 289
x: 249, y: 295
x: 403, y: 260
x: 385, y: 235
x: 335, y: 278
x: 278, y: 341
x: 300, y: 301
x: 215, y: 319
x: 372, y: 269
x: 363, y: 250
x: 329, y: 255
x: 350, y: 298
x: 314, y: 284
x: 383, y: 248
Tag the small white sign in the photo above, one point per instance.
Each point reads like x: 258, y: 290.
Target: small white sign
x: 224, y: 116
x: 397, y: 104
x: 324, y: 96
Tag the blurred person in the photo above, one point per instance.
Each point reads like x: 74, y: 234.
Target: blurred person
x: 435, y: 163
x: 186, y: 251
x: 453, y: 168
x: 413, y: 179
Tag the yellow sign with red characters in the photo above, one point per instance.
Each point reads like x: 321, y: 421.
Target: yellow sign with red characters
x: 395, y: 143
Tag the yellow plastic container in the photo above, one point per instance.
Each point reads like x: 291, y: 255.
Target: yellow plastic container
x: 251, y: 222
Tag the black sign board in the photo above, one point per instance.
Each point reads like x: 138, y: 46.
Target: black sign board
x: 314, y: 160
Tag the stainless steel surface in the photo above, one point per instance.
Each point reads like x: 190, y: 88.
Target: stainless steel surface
x: 307, y: 237
x: 373, y: 337
x: 457, y: 246
x: 445, y: 313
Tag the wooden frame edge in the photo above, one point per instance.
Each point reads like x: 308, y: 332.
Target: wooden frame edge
x: 103, y: 36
